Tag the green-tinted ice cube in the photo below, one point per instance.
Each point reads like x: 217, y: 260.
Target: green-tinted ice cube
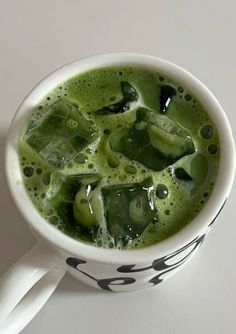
x: 153, y: 140
x: 87, y: 207
x: 77, y: 201
x: 129, y: 208
x: 60, y: 134
x: 167, y: 136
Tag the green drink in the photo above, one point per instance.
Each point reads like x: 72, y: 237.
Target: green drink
x: 119, y: 157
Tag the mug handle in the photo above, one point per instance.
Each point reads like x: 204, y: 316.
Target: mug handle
x: 26, y: 287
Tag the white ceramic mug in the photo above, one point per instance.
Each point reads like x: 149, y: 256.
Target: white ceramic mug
x: 29, y: 282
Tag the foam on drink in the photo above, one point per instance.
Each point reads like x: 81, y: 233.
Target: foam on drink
x: 178, y: 191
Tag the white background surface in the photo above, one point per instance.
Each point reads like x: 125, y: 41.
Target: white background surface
x: 38, y: 36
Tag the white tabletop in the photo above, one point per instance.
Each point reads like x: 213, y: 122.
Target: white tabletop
x: 38, y: 36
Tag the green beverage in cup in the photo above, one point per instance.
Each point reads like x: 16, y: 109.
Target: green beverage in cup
x: 119, y: 157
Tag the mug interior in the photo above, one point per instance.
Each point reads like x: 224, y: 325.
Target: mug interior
x: 195, y: 228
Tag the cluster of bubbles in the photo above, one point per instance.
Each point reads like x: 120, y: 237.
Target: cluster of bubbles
x: 37, y: 180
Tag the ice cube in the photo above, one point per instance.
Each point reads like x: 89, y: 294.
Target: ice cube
x: 129, y: 208
x: 77, y: 201
x: 60, y: 134
x: 153, y: 140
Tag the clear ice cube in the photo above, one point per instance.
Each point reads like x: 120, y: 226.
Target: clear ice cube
x: 60, y: 134
x: 129, y: 208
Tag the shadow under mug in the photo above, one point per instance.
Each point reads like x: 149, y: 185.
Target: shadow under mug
x: 29, y: 282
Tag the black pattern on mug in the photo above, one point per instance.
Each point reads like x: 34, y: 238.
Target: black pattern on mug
x: 164, y: 268
x: 104, y: 283
x: 161, y: 265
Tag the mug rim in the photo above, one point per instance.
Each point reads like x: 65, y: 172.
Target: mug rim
x: 195, y: 228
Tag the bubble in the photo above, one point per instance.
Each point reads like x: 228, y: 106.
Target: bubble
x: 113, y: 161
x: 28, y: 171
x: 180, y: 89
x: 90, y: 166
x: 207, y: 131
x: 39, y: 170
x: 188, y: 97
x: 161, y: 78
x: 71, y: 123
x: 130, y: 169
x: 161, y: 191
x: 212, y: 149
x: 53, y: 220
x: 167, y: 212
x: 107, y: 131
x: 46, y: 178
x: 205, y: 194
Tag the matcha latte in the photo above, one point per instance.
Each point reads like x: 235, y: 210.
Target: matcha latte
x: 119, y: 157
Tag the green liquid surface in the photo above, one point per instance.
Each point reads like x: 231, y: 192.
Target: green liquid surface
x: 119, y: 157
